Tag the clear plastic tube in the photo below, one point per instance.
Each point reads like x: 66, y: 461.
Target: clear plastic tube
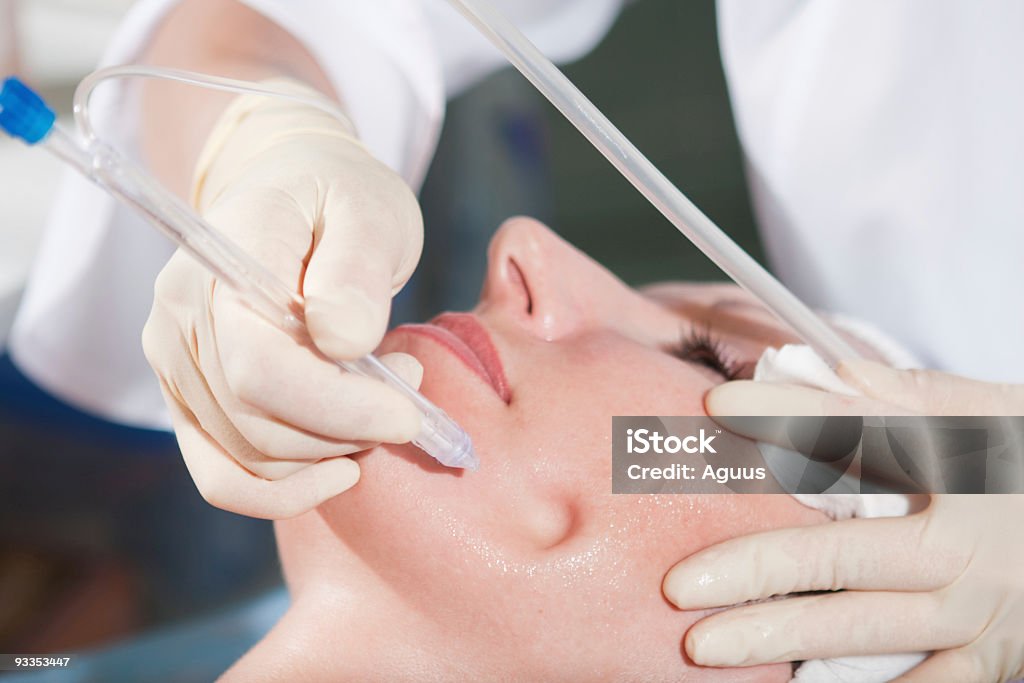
x: 440, y: 436
x: 646, y: 178
x: 86, y: 87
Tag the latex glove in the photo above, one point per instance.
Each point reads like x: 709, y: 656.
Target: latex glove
x: 262, y: 421
x: 949, y: 579
x: 884, y: 391
x: 953, y: 573
x: 872, y: 390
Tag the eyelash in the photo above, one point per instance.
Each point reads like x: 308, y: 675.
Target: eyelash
x: 700, y: 347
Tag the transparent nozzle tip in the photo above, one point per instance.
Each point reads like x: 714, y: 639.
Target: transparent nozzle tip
x: 466, y: 459
x: 446, y: 442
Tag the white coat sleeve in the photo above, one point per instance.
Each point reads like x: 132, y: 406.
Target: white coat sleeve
x: 77, y: 333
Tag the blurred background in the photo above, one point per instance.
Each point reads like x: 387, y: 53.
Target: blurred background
x: 106, y: 549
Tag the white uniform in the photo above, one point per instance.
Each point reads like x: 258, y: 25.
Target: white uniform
x: 883, y: 138
x: 885, y: 150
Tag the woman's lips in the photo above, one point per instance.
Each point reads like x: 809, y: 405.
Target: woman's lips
x: 466, y: 338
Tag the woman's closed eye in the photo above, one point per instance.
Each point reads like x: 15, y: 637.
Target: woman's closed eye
x: 700, y: 347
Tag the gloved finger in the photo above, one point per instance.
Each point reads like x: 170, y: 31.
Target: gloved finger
x: 227, y: 485
x: 899, y: 553
x: 823, y: 438
x: 757, y: 399
x: 281, y: 443
x: 369, y: 243
x: 269, y: 225
x: 177, y: 358
x: 281, y: 379
x: 189, y: 392
x: 960, y: 665
x: 405, y: 366
x: 822, y: 626
x: 933, y: 393
x: 281, y: 440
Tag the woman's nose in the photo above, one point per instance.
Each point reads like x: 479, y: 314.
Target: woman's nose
x: 550, y: 287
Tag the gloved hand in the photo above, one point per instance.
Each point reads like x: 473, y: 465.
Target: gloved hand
x: 884, y: 391
x: 262, y: 421
x: 949, y: 579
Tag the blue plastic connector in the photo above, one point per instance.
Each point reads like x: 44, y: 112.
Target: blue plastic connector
x: 23, y: 113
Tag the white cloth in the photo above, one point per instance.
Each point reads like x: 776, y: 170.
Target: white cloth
x: 877, y: 669
x: 885, y: 155
x: 395, y: 61
x: 799, y: 364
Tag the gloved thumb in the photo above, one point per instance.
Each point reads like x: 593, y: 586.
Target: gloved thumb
x: 346, y: 313
x: 931, y: 392
x: 363, y: 254
x: 405, y: 366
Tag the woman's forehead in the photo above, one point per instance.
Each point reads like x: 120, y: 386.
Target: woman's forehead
x: 685, y: 297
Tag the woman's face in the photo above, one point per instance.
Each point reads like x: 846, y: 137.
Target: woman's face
x: 531, y: 567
